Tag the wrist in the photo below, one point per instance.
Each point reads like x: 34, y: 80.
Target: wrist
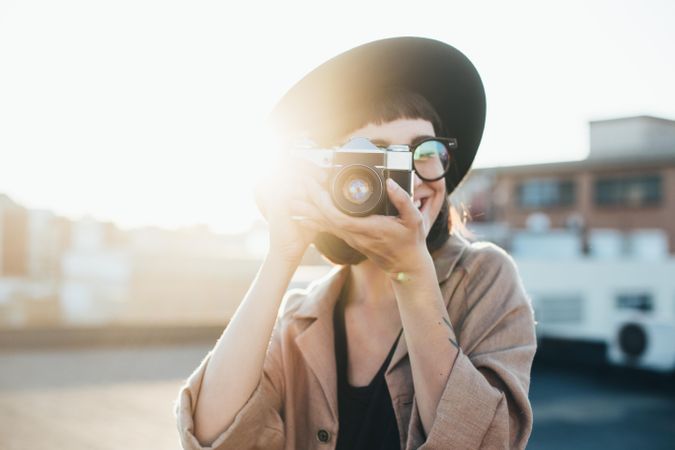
x: 418, y: 266
x: 280, y: 256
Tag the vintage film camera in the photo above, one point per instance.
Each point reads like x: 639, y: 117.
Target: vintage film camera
x: 358, y: 171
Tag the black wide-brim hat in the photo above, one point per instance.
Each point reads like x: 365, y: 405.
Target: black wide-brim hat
x: 437, y: 71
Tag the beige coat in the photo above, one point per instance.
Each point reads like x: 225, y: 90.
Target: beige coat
x: 485, y: 402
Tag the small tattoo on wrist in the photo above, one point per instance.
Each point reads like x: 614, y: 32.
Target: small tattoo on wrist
x: 447, y: 322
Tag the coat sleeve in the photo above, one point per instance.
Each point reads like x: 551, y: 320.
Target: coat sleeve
x: 485, y: 403
x: 257, y: 425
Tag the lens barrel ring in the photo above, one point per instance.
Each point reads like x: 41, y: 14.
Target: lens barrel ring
x: 352, y: 208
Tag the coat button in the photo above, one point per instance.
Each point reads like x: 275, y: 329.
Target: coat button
x: 323, y: 435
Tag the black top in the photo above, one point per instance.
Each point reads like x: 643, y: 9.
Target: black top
x: 366, y: 414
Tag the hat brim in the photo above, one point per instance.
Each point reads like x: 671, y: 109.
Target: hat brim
x: 433, y: 69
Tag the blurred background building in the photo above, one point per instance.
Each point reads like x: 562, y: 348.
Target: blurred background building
x: 32, y: 243
x: 594, y: 239
x: 90, y: 311
x: 58, y: 272
x: 124, y: 124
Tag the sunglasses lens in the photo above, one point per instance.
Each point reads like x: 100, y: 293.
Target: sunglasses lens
x: 431, y: 159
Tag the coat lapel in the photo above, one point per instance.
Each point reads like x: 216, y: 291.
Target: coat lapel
x: 316, y: 341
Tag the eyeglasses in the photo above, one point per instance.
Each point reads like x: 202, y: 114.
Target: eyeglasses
x: 432, y: 157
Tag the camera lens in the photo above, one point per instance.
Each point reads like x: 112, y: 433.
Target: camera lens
x: 431, y: 159
x: 357, y: 189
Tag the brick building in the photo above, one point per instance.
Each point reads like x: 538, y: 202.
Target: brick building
x: 626, y: 183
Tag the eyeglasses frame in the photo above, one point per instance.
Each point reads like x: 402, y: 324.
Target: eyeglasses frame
x: 449, y: 143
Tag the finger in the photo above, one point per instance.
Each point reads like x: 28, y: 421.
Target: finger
x: 403, y: 203
x: 335, y: 221
x: 299, y: 169
x: 322, y: 200
x: 325, y: 203
x: 303, y: 209
x: 374, y: 224
x: 309, y: 224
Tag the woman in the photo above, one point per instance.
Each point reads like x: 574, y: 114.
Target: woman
x: 417, y: 339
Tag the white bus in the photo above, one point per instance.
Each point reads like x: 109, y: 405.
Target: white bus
x: 620, y: 294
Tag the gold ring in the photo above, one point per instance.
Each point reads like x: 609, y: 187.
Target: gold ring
x: 402, y: 277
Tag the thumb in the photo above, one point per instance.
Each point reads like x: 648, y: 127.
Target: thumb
x: 402, y: 201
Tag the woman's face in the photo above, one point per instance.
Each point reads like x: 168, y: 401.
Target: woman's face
x: 428, y: 195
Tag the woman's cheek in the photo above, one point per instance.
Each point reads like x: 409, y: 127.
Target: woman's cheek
x: 438, y: 188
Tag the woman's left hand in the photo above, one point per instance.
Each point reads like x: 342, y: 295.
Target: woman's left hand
x: 395, y: 244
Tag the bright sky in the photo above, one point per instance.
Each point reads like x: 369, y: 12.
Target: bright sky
x: 146, y: 111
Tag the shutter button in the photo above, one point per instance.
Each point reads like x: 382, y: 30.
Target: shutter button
x: 323, y: 435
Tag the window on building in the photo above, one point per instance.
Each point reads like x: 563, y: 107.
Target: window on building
x: 558, y: 308
x: 545, y: 193
x: 638, y: 302
x: 640, y: 190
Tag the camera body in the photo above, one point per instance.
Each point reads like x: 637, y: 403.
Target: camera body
x: 357, y: 174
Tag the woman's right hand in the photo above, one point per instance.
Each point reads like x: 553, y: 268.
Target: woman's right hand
x: 275, y: 194
x: 244, y: 343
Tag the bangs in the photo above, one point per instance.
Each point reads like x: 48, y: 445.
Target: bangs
x: 382, y: 107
